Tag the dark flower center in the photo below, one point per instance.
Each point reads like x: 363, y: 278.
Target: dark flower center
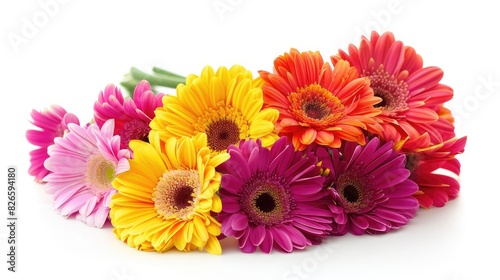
x: 134, y: 129
x: 175, y: 193
x: 183, y: 197
x: 221, y: 134
x: 265, y: 202
x: 356, y: 192
x: 266, y: 199
x: 381, y: 103
x: 412, y: 162
x: 350, y: 193
x: 316, y: 106
x: 315, y: 110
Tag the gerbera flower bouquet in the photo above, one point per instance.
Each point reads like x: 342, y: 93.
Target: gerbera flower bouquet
x: 281, y: 159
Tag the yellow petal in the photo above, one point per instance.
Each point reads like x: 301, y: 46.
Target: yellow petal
x: 179, y: 241
x: 147, y: 155
x: 214, y: 227
x: 216, y: 204
x: 218, y: 159
x: 197, y: 104
x: 252, y: 106
x: 200, y: 229
x: 268, y: 140
x: 171, y: 151
x: 128, y: 217
x: 240, y: 91
x: 182, y: 112
x: 204, y: 205
x: 187, y: 153
x: 267, y: 115
x: 213, y: 246
x: 261, y: 128
x: 217, y: 92
x: 188, y: 231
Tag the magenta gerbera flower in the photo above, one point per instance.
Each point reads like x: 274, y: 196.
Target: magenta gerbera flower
x: 132, y: 115
x: 370, y: 189
x: 83, y: 164
x: 53, y: 123
x: 273, y: 198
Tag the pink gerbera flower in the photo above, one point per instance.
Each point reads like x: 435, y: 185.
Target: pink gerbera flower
x: 132, y: 115
x: 53, y: 123
x: 83, y: 164
x: 273, y: 198
x: 370, y: 189
x: 411, y: 94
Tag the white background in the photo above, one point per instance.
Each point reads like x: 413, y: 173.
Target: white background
x: 83, y: 45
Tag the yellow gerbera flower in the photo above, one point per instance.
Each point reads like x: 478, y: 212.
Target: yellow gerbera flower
x: 165, y: 199
x: 226, y: 105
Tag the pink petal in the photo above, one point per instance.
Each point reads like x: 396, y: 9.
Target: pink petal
x: 239, y: 222
x: 282, y: 239
x: 257, y: 235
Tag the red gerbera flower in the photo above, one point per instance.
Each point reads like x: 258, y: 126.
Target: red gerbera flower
x: 434, y: 168
x: 411, y: 94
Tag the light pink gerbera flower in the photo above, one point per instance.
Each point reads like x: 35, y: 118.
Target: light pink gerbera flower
x: 132, y: 115
x: 412, y: 95
x: 83, y: 164
x: 53, y: 122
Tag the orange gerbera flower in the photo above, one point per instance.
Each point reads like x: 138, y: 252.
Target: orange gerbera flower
x: 411, y: 94
x: 318, y: 103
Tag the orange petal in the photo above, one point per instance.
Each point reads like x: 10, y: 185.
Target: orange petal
x: 307, y: 136
x: 324, y: 138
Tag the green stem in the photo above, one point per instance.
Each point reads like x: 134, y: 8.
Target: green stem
x: 158, y: 70
x: 157, y: 79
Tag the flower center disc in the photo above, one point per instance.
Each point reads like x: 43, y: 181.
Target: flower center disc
x: 134, y: 129
x: 265, y: 202
x: 100, y: 173
x: 266, y: 199
x: 224, y: 126
x: 394, y: 93
x: 350, y: 193
x: 175, y: 194
x: 412, y: 162
x: 316, y: 106
x: 221, y: 134
x: 356, y: 192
